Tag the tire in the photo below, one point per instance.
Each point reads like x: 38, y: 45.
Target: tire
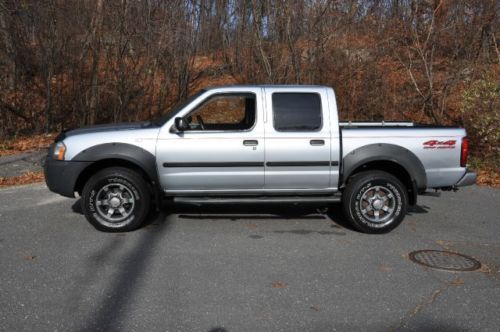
x: 375, y: 202
x: 116, y: 199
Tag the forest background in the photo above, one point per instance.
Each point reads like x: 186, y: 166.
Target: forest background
x: 72, y: 63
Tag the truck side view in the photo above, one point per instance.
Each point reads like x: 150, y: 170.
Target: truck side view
x: 260, y: 143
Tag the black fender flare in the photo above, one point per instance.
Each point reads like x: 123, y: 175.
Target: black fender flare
x: 381, y: 152
x: 122, y: 151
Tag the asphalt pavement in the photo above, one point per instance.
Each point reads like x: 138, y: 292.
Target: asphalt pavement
x: 246, y: 268
x: 18, y: 164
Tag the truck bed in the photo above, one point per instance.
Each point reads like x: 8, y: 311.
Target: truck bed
x: 437, y: 147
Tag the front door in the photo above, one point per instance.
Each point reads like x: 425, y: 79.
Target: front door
x: 298, y: 140
x: 222, y: 151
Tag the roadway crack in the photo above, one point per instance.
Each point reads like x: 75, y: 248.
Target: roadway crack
x: 427, y: 302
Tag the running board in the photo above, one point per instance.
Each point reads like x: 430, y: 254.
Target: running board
x: 259, y: 199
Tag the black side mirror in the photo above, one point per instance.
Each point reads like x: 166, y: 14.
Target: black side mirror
x: 181, y: 124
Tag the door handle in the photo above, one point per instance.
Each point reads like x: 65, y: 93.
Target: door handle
x: 316, y: 142
x: 250, y: 142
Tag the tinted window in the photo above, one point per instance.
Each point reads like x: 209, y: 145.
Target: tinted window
x: 297, y: 111
x: 224, y: 112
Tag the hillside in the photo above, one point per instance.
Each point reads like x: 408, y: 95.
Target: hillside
x: 68, y: 64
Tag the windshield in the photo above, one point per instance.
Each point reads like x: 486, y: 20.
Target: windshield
x: 161, y: 121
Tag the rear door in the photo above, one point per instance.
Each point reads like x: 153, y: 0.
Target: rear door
x: 298, y: 144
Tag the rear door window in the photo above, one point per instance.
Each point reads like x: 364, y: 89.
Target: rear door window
x: 297, y: 111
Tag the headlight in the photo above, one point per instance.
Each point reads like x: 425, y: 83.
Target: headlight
x: 59, y: 151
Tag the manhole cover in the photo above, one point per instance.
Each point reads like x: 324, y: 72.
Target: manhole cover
x: 445, y: 260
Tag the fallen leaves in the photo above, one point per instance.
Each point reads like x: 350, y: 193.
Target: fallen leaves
x: 488, y: 177
x: 23, y: 144
x: 278, y: 284
x: 26, y: 178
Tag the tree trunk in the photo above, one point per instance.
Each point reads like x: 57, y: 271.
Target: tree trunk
x: 96, y: 54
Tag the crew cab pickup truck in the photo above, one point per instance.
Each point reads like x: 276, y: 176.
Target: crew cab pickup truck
x: 259, y: 143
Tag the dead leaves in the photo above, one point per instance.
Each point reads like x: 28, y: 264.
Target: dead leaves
x: 488, y: 177
x: 278, y: 284
x: 27, y: 256
x: 26, y: 178
x: 23, y: 144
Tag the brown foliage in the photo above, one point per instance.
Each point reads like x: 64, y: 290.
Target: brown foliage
x: 26, y: 143
x: 65, y: 64
x: 26, y: 178
x: 489, y: 176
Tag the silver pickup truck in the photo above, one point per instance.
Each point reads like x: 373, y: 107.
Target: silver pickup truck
x: 256, y: 143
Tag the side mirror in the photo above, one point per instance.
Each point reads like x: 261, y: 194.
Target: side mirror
x: 181, y: 124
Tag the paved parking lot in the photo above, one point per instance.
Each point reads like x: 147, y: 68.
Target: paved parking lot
x: 245, y: 268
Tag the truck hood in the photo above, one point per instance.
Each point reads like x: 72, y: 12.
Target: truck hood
x: 112, y: 127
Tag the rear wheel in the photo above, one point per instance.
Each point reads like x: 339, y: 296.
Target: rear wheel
x: 116, y: 199
x: 375, y: 201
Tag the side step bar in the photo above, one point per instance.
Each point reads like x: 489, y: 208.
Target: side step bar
x: 258, y: 199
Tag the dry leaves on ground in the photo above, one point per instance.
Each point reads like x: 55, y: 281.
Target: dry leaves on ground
x: 489, y: 177
x: 278, y: 284
x: 23, y: 144
x: 26, y: 178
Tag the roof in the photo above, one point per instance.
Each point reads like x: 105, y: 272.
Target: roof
x: 266, y: 86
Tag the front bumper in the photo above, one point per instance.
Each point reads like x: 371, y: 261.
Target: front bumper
x: 468, y: 179
x: 61, y: 176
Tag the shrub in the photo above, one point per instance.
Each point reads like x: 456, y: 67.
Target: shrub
x: 481, y: 116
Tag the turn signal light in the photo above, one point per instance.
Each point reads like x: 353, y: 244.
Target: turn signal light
x: 59, y: 151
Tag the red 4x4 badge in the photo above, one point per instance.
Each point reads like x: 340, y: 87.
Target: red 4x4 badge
x: 435, y: 144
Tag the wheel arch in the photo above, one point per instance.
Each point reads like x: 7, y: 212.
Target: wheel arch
x: 390, y: 158
x: 113, y: 155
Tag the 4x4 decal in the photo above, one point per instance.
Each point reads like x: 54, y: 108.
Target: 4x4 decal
x: 435, y: 144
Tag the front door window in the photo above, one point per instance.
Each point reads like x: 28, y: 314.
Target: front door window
x: 224, y: 112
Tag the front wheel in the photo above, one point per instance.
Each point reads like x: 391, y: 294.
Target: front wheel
x: 116, y: 199
x: 375, y: 201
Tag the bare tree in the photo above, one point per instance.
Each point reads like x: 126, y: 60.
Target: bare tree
x: 70, y: 63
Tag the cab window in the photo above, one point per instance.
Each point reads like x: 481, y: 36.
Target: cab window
x: 235, y: 111
x: 297, y: 111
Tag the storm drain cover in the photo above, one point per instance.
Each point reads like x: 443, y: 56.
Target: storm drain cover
x: 445, y: 260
